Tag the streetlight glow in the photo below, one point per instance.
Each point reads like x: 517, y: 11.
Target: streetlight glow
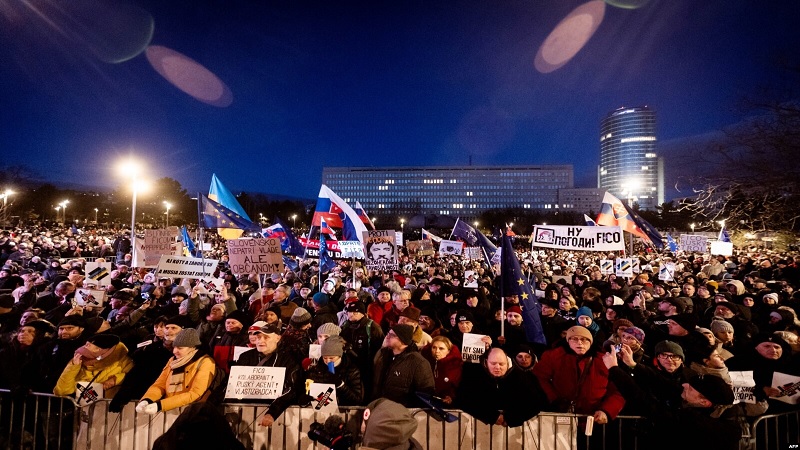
x: 294, y: 220
x: 168, y: 205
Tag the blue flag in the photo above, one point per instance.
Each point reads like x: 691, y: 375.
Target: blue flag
x: 211, y: 214
x: 724, y: 236
x: 474, y: 238
x: 290, y: 263
x: 326, y: 263
x: 513, y: 282
x: 187, y: 241
x: 220, y: 194
x: 292, y: 244
x: 673, y: 246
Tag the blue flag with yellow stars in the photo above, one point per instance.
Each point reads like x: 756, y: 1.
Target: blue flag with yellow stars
x: 513, y: 282
x: 211, y: 214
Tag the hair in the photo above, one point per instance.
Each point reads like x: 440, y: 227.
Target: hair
x: 592, y: 294
x: 444, y: 340
x: 160, y: 319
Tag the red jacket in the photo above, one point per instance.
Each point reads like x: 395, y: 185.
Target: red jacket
x: 558, y: 373
x: 446, y: 373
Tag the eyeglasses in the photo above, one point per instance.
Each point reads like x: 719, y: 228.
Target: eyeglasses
x: 669, y: 356
x: 579, y: 340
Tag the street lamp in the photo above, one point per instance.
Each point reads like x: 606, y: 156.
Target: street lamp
x: 58, y: 208
x: 132, y: 169
x: 95, y: 216
x: 5, y: 204
x: 402, y: 224
x: 64, y: 210
x: 692, y: 227
x: 294, y: 221
x: 475, y: 224
x: 168, y: 205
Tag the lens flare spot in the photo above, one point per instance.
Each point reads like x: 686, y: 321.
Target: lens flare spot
x: 569, y: 36
x: 628, y: 4
x: 189, y: 76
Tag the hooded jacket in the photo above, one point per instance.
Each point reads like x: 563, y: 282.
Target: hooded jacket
x: 117, y: 364
x: 446, y: 373
x: 199, y: 373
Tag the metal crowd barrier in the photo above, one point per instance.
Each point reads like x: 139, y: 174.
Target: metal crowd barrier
x: 36, y: 422
x: 775, y: 431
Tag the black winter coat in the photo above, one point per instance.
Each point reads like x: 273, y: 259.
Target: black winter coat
x: 347, y: 379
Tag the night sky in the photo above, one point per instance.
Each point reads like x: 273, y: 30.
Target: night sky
x: 363, y: 83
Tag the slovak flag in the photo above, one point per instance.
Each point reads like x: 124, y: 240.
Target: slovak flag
x: 324, y: 228
x: 338, y: 214
x: 614, y: 212
x: 274, y: 231
x: 362, y: 214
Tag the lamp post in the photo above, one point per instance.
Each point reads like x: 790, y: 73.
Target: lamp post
x: 95, y: 216
x: 5, y: 195
x: 294, y: 220
x: 475, y: 224
x: 168, y: 205
x: 132, y: 169
x: 58, y: 208
x: 402, y: 224
x: 64, y: 210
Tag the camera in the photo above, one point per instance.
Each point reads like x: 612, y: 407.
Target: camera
x: 332, y: 434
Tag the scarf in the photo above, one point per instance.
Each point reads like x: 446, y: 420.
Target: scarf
x: 177, y: 377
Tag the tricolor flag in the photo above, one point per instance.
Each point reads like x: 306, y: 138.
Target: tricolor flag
x: 430, y: 236
x: 362, y: 214
x: 615, y: 212
x: 589, y: 221
x: 338, y: 214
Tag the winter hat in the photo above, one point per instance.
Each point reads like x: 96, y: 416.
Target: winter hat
x: 329, y: 328
x: 42, y: 326
x: 718, y: 326
x: 411, y: 312
x: 301, y: 317
x: 187, y: 337
x: 621, y: 323
x: 404, y: 332
x: 714, y: 388
x: 771, y: 295
x: 389, y: 425
x: 320, y: 299
x: 73, y: 320
x: 636, y: 332
x: 241, y: 317
x: 357, y: 306
x: 580, y: 331
x: 584, y: 311
x: 104, y: 341
x: 514, y: 309
x: 669, y: 347
x: 687, y: 321
x: 551, y: 302
x: 179, y: 320
x: 732, y: 306
x: 179, y: 290
x: 333, y: 346
x: 464, y: 316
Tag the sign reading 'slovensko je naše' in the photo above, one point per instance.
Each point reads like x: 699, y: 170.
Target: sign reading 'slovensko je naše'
x: 592, y: 239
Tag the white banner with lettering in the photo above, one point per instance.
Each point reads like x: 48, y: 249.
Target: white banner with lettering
x: 592, y: 239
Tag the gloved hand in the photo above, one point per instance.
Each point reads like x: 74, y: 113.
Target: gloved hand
x: 141, y: 406
x: 151, y: 409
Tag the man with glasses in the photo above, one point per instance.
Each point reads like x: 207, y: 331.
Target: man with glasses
x: 400, y: 301
x: 400, y: 370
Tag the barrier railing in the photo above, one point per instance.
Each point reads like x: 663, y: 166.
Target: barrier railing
x: 38, y: 421
x: 775, y: 431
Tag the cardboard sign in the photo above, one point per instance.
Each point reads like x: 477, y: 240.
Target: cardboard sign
x: 351, y: 249
x: 472, y: 253
x: 450, y: 247
x: 420, y: 248
x: 211, y: 285
x: 666, y: 272
x: 323, y: 398
x: 380, y: 250
x: 99, y: 273
x: 472, y: 347
x: 398, y: 238
x: 261, y: 383
x: 185, y: 267
x: 90, y: 297
x: 694, y: 243
x: 744, y: 387
x: 255, y: 255
x: 157, y: 243
x: 624, y: 267
x: 722, y: 248
x: 86, y: 394
x: 592, y: 239
x: 788, y: 385
x: 606, y: 266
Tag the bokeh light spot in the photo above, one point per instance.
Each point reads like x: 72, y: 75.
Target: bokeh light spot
x: 628, y: 4
x: 189, y: 76
x: 569, y: 36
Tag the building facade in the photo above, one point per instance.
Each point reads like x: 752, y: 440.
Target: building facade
x: 629, y: 166
x: 581, y: 200
x: 457, y: 191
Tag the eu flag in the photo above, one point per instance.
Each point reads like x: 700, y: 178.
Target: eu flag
x: 211, y: 214
x: 513, y: 282
x: 326, y: 263
x: 474, y: 238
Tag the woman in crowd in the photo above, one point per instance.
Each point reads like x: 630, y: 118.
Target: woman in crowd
x: 337, y: 367
x: 446, y: 363
x: 103, y: 359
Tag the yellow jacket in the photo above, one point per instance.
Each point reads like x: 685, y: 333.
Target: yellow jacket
x: 115, y: 365
x: 196, y: 381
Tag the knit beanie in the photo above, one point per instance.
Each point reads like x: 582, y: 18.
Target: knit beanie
x: 621, y: 323
x: 771, y: 295
x: 241, y: 317
x: 636, y: 332
x: 687, y: 321
x: 329, y: 328
x: 300, y: 317
x: 584, y: 311
x: 411, y: 312
x: 187, y: 337
x: 320, y: 299
x: 514, y: 309
x: 357, y: 306
x: 713, y: 388
x: 104, y: 341
x: 333, y: 346
x: 669, y: 347
x: 179, y: 290
x: 179, y: 320
x: 719, y: 326
x: 404, y: 332
x: 580, y: 331
x: 73, y: 320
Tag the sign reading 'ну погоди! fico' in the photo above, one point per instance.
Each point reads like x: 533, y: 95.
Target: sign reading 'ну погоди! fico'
x: 592, y: 239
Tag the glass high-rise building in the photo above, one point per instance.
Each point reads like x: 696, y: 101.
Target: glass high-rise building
x: 464, y: 191
x: 629, y: 166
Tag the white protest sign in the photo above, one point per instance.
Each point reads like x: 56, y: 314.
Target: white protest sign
x: 472, y: 347
x: 323, y: 398
x: 606, y: 266
x: 157, y: 243
x: 398, y: 238
x: 423, y: 247
x: 211, y: 285
x: 744, y: 387
x: 694, y: 243
x: 351, y: 249
x: 789, y: 387
x: 90, y: 297
x: 262, y: 383
x: 255, y: 255
x: 381, y: 250
x: 470, y: 279
x: 99, y: 273
x: 722, y: 248
x: 450, y: 247
x: 185, y: 267
x: 139, y: 255
x: 666, y: 272
x: 238, y: 350
x: 623, y: 267
x: 86, y: 394
x: 635, y: 265
x: 315, y: 351
x: 592, y: 239
x: 472, y: 253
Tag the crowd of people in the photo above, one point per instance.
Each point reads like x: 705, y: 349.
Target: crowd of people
x: 659, y: 348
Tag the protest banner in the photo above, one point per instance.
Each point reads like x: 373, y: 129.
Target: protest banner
x: 98, y: 273
x: 694, y: 243
x: 635, y: 265
x: 262, y: 383
x: 470, y: 279
x: 381, y: 250
x: 185, y: 267
x: 744, y: 387
x: 623, y: 267
x: 606, y: 266
x: 398, y: 238
x: 87, y: 393
x: 789, y: 387
x: 421, y: 248
x: 210, y: 285
x: 472, y: 347
x: 472, y: 253
x: 592, y: 239
x: 722, y: 248
x: 157, y: 243
x: 666, y: 272
x: 450, y: 247
x: 323, y: 398
x: 90, y: 297
x: 351, y: 249
x: 312, y: 248
x: 255, y: 255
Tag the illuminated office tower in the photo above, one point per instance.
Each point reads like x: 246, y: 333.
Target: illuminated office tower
x: 629, y: 166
